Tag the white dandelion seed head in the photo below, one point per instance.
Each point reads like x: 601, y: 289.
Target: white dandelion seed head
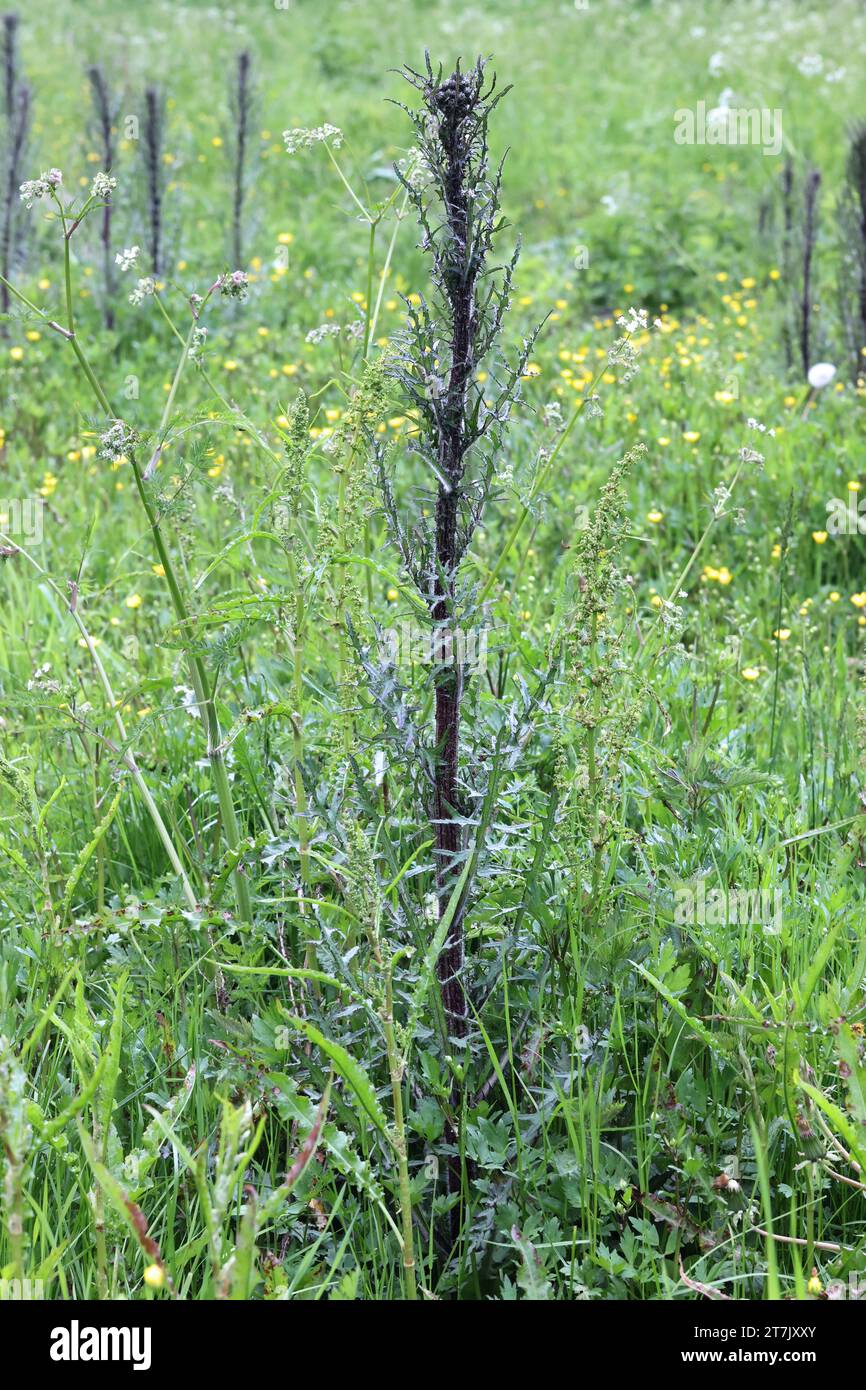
x: 821, y: 375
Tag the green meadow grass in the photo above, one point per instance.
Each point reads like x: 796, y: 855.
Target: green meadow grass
x: 658, y: 1103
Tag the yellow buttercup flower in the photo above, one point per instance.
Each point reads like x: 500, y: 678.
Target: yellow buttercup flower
x: 133, y: 600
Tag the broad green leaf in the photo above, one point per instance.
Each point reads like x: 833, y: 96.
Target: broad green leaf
x: 351, y: 1071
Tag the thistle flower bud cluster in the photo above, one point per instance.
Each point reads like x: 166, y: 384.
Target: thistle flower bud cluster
x: 41, y: 187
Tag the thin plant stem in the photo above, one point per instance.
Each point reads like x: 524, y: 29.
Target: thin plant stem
x: 126, y: 755
x: 198, y: 674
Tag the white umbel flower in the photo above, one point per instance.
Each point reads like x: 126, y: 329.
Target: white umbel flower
x: 634, y: 321
x: 300, y: 138
x: 102, y: 185
x: 128, y: 257
x: 145, y: 286
x: 41, y: 187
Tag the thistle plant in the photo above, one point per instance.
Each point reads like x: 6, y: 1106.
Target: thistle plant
x: 787, y: 256
x: 241, y: 101
x: 852, y: 227
x: 105, y: 113
x: 152, y: 135
x: 9, y: 58
x: 799, y: 238
x: 459, y: 431
x: 810, y: 236
x: 13, y: 148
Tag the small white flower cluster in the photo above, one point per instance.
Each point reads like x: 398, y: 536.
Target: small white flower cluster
x: 128, y: 257
x: 811, y: 65
x: 145, y: 286
x: 670, y: 614
x: 41, y: 680
x: 754, y: 424
x: 118, y: 439
x: 198, y: 344
x: 302, y: 139
x: 624, y: 354
x: 325, y: 330
x: 415, y: 169
x: 234, y: 285
x: 635, y: 321
x: 747, y: 455
x: 102, y: 185
x: 188, y: 700
x: 41, y: 187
